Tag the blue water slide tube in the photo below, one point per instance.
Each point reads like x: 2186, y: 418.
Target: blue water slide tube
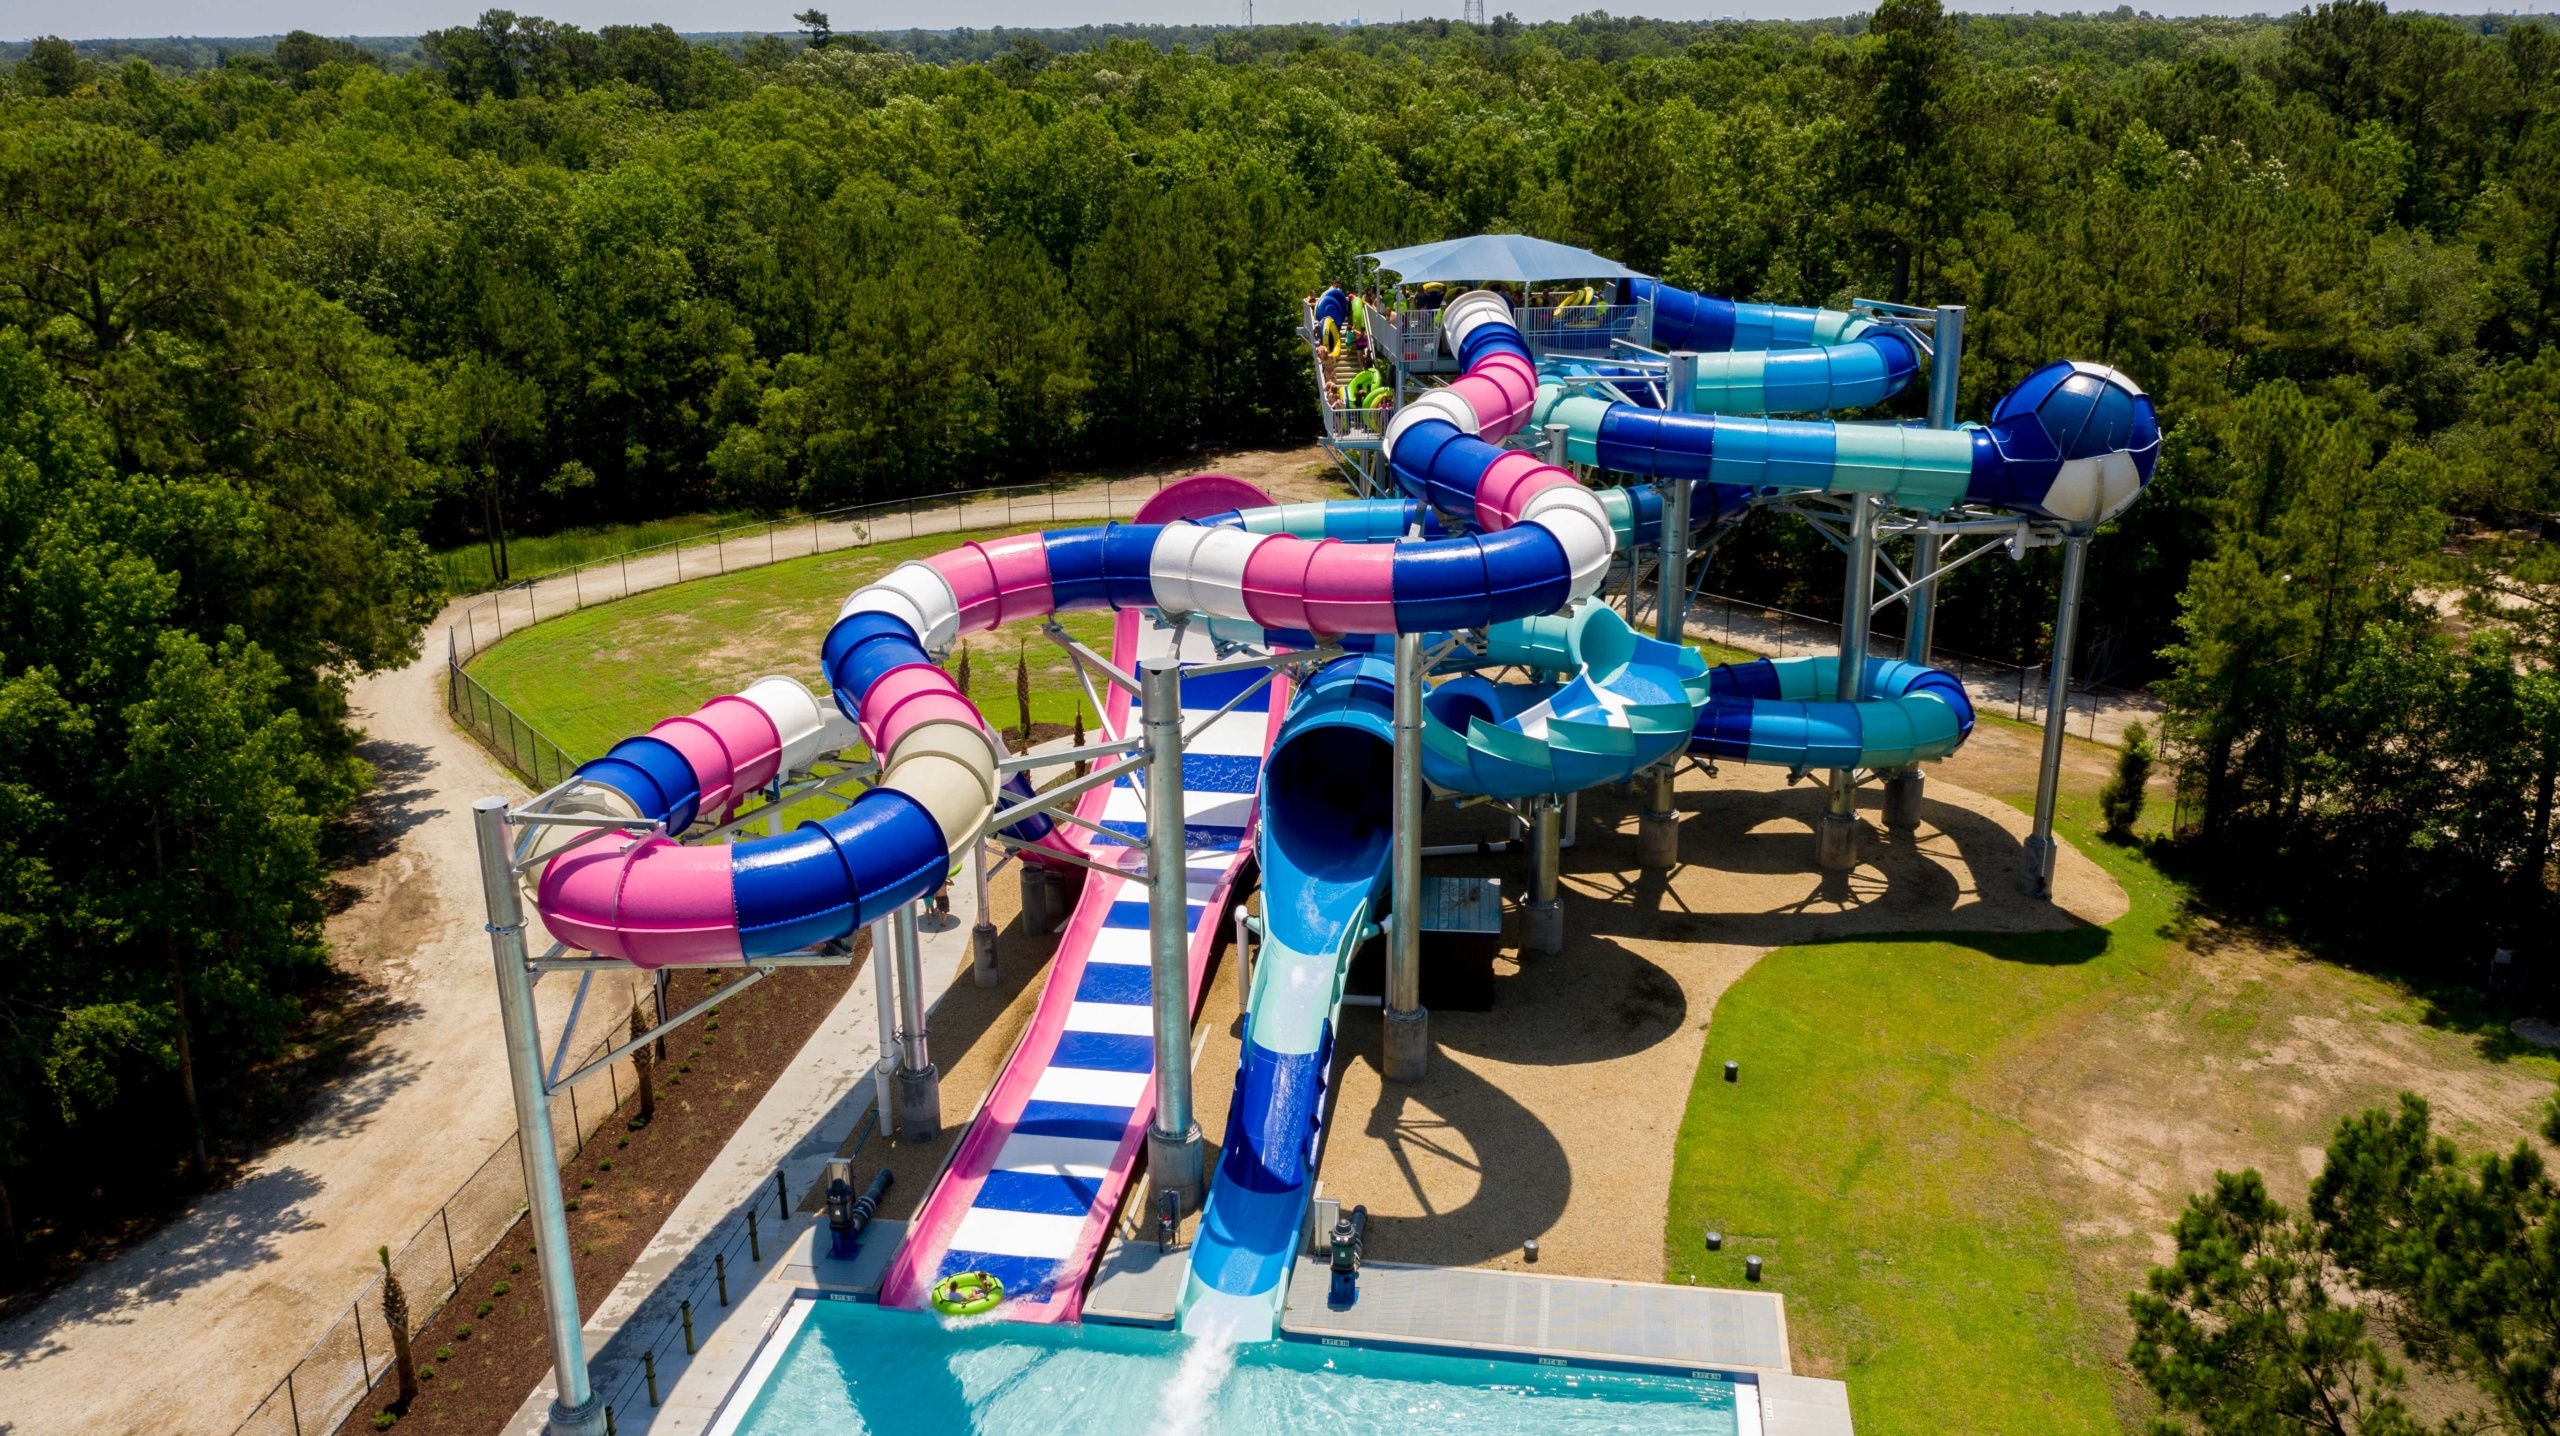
x: 1785, y: 712
x: 1327, y: 798
x: 2075, y: 442
x: 1770, y: 359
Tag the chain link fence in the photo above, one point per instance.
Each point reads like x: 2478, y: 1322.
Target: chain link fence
x: 528, y: 601
x: 355, y: 1352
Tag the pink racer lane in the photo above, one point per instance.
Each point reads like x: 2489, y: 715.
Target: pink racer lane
x: 915, y: 1267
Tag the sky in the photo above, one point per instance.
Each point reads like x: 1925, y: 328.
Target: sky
x: 102, y: 19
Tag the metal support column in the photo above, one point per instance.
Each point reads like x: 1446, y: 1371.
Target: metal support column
x: 2057, y: 711
x: 1175, y: 1158
x: 982, y: 935
x: 884, y: 1072
x: 1408, y: 1025
x: 1542, y: 917
x: 576, y: 1409
x: 1836, y: 834
x: 1904, y: 790
x: 1658, y: 826
x: 919, y: 1081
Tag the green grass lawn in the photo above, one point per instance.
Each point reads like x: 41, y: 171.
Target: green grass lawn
x: 1898, y: 1211
x: 470, y: 568
x: 594, y: 677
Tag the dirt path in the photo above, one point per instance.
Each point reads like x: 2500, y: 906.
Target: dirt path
x: 250, y: 1276
x: 1287, y: 475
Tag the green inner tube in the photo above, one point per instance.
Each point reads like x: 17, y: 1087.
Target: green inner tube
x: 967, y: 1293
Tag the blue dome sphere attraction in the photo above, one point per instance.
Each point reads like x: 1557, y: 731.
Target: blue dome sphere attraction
x: 2104, y: 427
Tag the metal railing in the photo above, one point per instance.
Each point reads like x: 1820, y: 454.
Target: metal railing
x: 527, y: 601
x: 1589, y: 330
x: 319, y: 1390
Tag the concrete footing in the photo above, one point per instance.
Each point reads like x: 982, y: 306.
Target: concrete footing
x: 1408, y: 1046
x: 1174, y: 1164
x: 1902, y: 793
x: 1835, y: 841
x: 2040, y: 856
x: 982, y: 952
x: 919, y: 1104
x: 587, y: 1420
x: 1542, y: 927
x: 1657, y: 839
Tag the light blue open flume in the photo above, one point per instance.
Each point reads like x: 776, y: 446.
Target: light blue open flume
x: 846, y: 1368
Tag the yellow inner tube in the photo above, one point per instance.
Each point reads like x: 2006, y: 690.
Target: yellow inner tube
x: 967, y: 1293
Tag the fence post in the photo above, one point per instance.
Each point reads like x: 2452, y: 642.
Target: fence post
x: 768, y: 540
x: 720, y: 553
x: 578, y: 586
x: 444, y: 1215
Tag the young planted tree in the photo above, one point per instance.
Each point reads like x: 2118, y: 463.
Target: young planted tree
x: 2121, y: 799
x: 642, y: 1064
x: 395, y: 1314
x: 1022, y: 693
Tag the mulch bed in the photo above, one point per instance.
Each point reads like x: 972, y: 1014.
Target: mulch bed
x: 487, y: 1348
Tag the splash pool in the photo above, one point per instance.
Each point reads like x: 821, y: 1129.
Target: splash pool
x: 847, y: 1367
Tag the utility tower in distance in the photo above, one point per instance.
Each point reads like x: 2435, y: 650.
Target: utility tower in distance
x: 1471, y: 11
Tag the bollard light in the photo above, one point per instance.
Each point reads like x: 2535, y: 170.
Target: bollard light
x: 1715, y: 1240
x: 1529, y: 1250
x: 1733, y: 1071
x: 1751, y: 1268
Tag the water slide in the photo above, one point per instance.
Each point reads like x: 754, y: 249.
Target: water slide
x: 1031, y: 1189
x: 1620, y: 702
x: 1540, y: 544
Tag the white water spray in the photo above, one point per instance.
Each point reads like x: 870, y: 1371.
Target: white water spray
x: 1190, y: 1396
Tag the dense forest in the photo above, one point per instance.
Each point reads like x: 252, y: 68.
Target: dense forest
x: 274, y: 318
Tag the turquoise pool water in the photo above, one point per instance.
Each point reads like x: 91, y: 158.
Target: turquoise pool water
x: 852, y: 1367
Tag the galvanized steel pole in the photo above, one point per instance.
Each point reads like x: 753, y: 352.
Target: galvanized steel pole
x: 982, y: 935
x: 1408, y: 1025
x: 1542, y: 916
x: 1903, y: 791
x: 919, y: 1081
x: 1836, y: 837
x: 2057, y: 711
x: 884, y: 1072
x: 1174, y: 1152
x: 576, y: 1409
x: 1658, y: 826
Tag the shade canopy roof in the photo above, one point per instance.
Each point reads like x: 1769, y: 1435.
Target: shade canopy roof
x: 1513, y: 257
